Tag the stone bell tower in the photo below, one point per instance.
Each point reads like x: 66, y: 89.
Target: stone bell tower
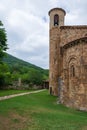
x: 56, y: 20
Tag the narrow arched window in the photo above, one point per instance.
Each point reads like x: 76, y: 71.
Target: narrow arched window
x: 56, y: 19
x: 72, y: 69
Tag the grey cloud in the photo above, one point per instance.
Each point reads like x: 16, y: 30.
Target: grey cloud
x: 27, y: 25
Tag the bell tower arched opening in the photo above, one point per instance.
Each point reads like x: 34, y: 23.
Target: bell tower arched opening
x: 56, y: 20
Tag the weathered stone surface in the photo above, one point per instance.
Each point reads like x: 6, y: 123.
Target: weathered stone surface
x: 68, y: 62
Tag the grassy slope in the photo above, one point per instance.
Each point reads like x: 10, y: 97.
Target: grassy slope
x: 39, y: 112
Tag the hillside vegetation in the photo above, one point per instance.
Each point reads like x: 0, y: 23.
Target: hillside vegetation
x: 13, y: 61
x: 15, y: 69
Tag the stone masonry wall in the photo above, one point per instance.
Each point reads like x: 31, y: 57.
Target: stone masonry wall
x: 54, y: 56
x: 71, y: 33
x: 74, y: 87
x: 68, y: 61
x: 54, y: 45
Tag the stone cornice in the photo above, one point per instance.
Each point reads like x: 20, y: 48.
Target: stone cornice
x: 70, y: 27
x: 57, y: 9
x: 74, y: 27
x: 75, y: 42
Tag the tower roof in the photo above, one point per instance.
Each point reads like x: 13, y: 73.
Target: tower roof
x: 57, y: 9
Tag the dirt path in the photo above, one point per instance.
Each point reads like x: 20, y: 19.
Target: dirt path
x: 20, y: 94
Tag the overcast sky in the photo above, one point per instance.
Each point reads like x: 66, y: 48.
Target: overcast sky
x: 27, y: 25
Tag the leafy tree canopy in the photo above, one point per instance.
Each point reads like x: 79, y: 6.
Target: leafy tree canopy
x: 3, y: 40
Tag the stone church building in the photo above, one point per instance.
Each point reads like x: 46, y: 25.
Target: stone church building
x: 68, y: 61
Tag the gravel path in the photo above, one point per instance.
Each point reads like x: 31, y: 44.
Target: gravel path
x: 20, y: 94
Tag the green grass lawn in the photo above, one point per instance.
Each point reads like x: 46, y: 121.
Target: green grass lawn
x: 10, y: 92
x: 39, y: 112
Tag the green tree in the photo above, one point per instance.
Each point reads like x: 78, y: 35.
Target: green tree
x: 35, y: 77
x: 3, y: 42
x: 5, y: 76
x: 3, y: 48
